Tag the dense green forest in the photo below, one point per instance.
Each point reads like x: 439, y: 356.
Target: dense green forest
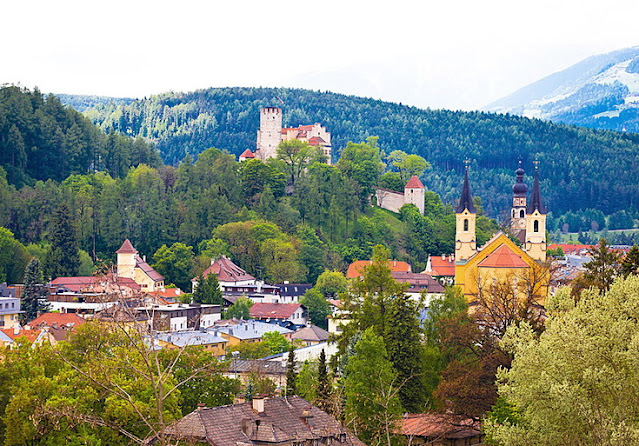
x: 41, y: 139
x: 580, y: 168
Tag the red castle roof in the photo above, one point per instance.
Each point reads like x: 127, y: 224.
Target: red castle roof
x: 414, y: 183
x: 247, y: 154
x: 126, y: 248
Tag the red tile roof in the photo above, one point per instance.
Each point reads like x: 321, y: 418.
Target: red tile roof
x: 247, y: 154
x: 31, y: 335
x: 503, y: 257
x: 92, y: 283
x: 227, y: 271
x: 264, y: 310
x: 414, y: 183
x: 418, y: 282
x: 355, y: 268
x: 316, y: 141
x: 571, y: 249
x: 126, y: 248
x: 439, y: 426
x: 57, y: 319
x: 442, y: 267
x: 153, y: 274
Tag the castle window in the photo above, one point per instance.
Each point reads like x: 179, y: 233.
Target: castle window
x: 465, y: 225
x: 536, y: 226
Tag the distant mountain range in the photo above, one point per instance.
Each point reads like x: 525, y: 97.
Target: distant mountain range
x: 599, y: 92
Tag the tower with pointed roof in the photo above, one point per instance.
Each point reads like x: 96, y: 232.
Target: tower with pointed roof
x: 535, y: 244
x: 414, y: 193
x: 518, y: 211
x: 126, y: 260
x: 466, y: 215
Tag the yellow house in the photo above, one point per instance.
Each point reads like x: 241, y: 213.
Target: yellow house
x: 500, y: 266
x: 208, y: 340
x: 132, y: 266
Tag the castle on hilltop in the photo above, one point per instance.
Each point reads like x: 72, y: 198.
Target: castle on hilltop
x: 271, y: 134
x: 393, y: 201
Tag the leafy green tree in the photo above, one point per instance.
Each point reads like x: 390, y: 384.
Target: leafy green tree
x: 318, y: 307
x: 362, y: 163
x: 276, y: 342
x: 296, y: 156
x: 63, y: 257
x: 307, y: 380
x: 208, y: 291
x: 371, y: 390
x: 241, y: 309
x: 291, y: 375
x: 255, y: 175
x: 407, y: 165
x: 253, y: 350
x: 175, y: 263
x: 281, y: 261
x: 13, y: 257
x: 602, y: 269
x: 566, y: 385
x: 331, y: 283
x: 392, y: 181
x: 35, y: 292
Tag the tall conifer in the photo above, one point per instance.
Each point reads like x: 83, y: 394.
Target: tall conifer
x: 63, y: 257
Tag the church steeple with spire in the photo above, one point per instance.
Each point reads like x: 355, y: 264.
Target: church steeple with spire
x: 535, y: 244
x: 466, y: 215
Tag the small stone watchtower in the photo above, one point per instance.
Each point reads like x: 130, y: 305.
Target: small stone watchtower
x: 414, y: 193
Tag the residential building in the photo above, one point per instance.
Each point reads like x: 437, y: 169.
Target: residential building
x: 292, y: 292
x: 355, y: 269
x: 309, y: 353
x: 238, y: 332
x: 244, y: 369
x: 207, y: 339
x: 310, y: 335
x: 67, y: 321
x: 285, y: 421
x: 9, y: 312
x: 275, y: 312
x: 419, y: 285
x: 131, y: 266
x: 9, y: 336
x: 441, y: 268
x: 180, y: 316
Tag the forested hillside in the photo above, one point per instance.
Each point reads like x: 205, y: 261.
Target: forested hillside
x: 580, y: 168
x: 41, y: 139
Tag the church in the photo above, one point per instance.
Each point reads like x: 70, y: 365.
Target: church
x: 501, y: 260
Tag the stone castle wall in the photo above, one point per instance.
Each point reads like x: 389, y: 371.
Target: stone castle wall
x: 388, y: 199
x: 269, y: 134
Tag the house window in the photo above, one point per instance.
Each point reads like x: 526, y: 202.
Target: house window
x: 536, y: 226
x: 465, y: 225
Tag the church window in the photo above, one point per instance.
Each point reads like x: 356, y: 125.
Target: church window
x: 536, y: 226
x: 513, y: 213
x: 521, y: 214
x: 465, y: 224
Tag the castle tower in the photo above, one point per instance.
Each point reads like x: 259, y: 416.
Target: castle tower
x: 536, y: 224
x: 126, y: 260
x: 269, y: 134
x: 466, y: 214
x: 414, y: 193
x: 518, y: 211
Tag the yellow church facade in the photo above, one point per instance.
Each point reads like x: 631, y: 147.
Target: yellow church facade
x: 501, y: 269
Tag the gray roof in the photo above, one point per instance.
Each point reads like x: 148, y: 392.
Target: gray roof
x: 190, y: 337
x: 250, y: 329
x: 257, y: 365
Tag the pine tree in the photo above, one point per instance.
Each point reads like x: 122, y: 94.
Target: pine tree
x: 324, y: 387
x: 208, y: 291
x: 35, y: 291
x: 63, y: 258
x: 291, y: 375
x: 630, y: 263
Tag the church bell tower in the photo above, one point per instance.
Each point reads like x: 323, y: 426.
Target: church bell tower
x: 518, y: 211
x: 535, y: 244
x: 466, y: 215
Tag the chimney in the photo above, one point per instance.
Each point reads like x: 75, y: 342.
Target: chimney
x: 258, y: 404
x: 240, y: 399
x: 16, y: 330
x: 443, y: 256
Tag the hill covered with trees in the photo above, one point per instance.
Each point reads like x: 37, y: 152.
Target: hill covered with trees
x: 580, y: 168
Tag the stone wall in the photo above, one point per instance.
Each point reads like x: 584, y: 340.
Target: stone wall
x: 389, y: 199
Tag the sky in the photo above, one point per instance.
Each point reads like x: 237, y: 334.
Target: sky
x: 454, y: 54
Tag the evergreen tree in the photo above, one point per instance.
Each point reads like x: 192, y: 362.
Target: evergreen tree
x: 601, y: 271
x: 208, y: 291
x: 63, y: 257
x: 403, y: 343
x: 291, y: 375
x: 324, y: 386
x: 630, y: 262
x: 35, y: 291
x: 240, y: 309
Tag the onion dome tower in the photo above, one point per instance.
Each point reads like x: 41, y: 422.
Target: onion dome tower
x: 518, y: 211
